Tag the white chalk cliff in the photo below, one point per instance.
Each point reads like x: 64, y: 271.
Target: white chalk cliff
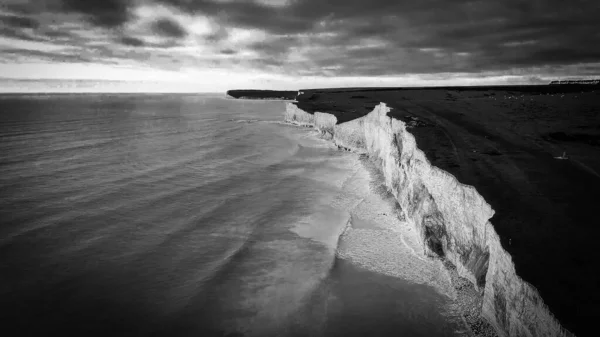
x: 452, y: 218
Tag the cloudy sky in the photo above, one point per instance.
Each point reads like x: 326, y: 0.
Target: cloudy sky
x: 214, y: 45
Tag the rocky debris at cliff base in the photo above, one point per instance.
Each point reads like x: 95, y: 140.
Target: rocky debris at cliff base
x: 341, y: 147
x: 468, y: 302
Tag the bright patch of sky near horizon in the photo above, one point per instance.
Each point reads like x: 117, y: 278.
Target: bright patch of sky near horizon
x: 215, y: 45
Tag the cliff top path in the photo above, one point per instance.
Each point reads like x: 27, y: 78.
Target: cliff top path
x: 508, y: 142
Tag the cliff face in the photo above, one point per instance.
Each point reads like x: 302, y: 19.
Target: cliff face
x: 452, y: 218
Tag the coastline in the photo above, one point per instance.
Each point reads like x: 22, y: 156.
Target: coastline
x: 452, y: 219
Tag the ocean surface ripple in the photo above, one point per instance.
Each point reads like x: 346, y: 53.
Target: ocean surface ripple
x: 197, y: 215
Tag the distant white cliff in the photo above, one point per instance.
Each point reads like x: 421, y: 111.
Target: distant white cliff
x: 452, y: 218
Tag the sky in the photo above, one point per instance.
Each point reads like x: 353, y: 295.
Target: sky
x: 215, y: 45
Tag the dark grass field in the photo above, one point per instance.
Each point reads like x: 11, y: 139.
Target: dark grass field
x: 503, y: 140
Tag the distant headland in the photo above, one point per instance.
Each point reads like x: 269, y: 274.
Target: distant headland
x: 293, y: 94
x: 262, y: 94
x: 592, y: 82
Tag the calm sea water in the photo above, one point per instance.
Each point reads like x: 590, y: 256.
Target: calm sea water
x: 190, y: 215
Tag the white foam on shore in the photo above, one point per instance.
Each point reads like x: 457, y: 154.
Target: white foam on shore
x: 326, y: 222
x: 324, y: 226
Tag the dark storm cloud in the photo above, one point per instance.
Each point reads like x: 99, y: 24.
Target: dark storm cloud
x: 28, y: 31
x: 15, y: 54
x: 19, y: 21
x: 276, y: 47
x: 494, y: 34
x: 371, y: 37
x: 228, y: 51
x: 17, y: 27
x: 57, y: 34
x: 104, y: 13
x: 15, y: 33
x: 291, y: 19
x: 168, y: 28
x: 217, y: 35
x: 131, y: 41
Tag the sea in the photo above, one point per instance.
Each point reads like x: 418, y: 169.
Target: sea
x: 198, y: 215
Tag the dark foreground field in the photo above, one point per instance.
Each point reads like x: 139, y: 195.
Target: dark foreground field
x: 503, y: 141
